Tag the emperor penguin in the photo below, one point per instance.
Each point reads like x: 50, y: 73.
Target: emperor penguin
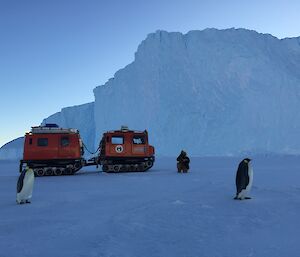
x: 244, y: 179
x: 25, y: 186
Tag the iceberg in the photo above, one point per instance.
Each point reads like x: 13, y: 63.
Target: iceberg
x: 211, y: 92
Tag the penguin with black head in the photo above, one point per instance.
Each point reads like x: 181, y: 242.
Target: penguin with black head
x: 25, y: 185
x: 244, y: 179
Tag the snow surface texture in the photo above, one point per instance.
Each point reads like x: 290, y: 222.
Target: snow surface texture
x: 156, y: 213
x: 211, y: 92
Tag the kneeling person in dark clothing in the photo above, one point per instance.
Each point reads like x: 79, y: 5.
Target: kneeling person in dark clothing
x: 183, y: 162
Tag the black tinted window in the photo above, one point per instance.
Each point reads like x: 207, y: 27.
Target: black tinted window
x: 64, y: 141
x: 42, y: 142
x: 139, y: 140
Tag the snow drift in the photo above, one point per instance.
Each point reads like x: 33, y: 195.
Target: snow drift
x: 210, y: 92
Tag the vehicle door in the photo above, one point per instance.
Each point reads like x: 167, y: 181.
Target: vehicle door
x: 117, y: 145
x: 139, y: 144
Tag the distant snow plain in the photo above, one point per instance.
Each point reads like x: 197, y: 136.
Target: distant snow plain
x: 155, y: 213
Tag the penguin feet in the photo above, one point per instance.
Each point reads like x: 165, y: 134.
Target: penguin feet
x: 23, y: 202
x: 244, y: 198
x: 237, y: 198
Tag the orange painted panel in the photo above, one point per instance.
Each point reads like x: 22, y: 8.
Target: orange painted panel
x: 50, y: 146
x: 127, y: 144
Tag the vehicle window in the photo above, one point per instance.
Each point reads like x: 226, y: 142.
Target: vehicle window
x: 139, y: 140
x: 42, y: 142
x: 117, y: 140
x: 64, y: 141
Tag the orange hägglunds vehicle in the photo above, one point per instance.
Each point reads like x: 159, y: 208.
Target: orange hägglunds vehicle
x: 125, y: 150
x: 51, y: 150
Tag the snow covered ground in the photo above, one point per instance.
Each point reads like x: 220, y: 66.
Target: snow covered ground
x: 157, y: 213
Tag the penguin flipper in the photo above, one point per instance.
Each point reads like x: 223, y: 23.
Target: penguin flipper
x: 242, y: 177
x: 20, y: 181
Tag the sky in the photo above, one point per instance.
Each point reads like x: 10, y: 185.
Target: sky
x: 53, y: 53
